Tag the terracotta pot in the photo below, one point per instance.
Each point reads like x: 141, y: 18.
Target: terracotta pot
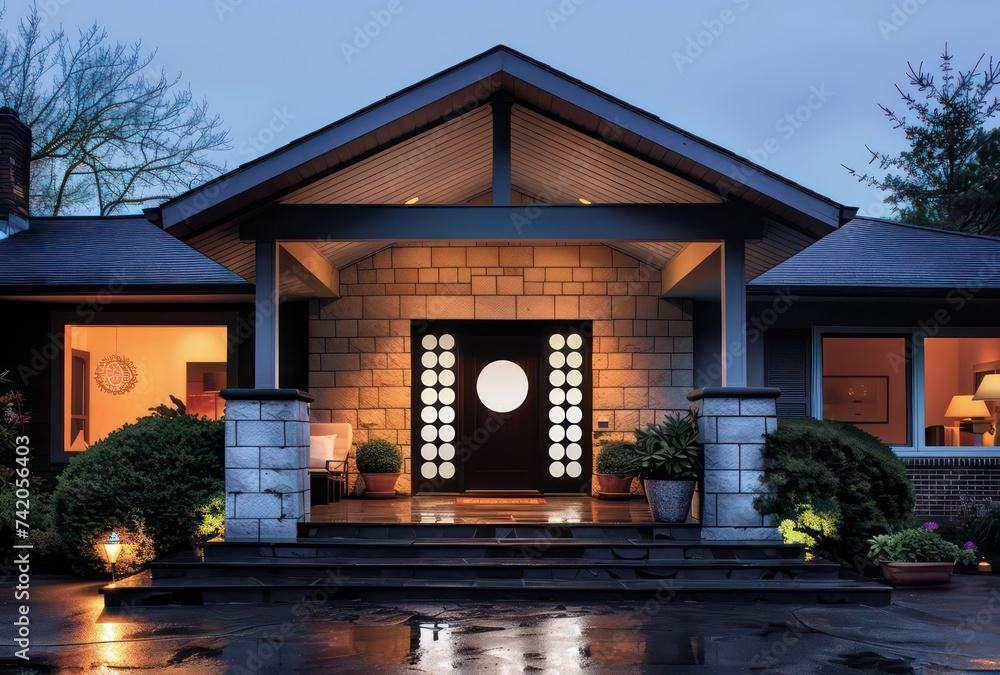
x: 917, y: 573
x: 613, y: 483
x: 669, y: 500
x: 380, y: 483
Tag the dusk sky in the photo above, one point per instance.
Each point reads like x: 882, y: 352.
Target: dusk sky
x: 789, y: 84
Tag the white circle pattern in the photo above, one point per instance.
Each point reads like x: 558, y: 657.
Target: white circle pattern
x: 438, y: 362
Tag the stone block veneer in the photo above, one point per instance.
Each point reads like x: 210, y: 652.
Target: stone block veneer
x: 733, y: 421
x: 359, y: 345
x: 267, y: 463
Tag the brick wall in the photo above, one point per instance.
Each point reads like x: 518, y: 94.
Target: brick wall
x: 942, y: 482
x: 359, y: 344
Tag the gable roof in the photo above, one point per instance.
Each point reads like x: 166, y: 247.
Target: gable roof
x: 463, y: 88
x: 126, y: 254
x: 881, y: 254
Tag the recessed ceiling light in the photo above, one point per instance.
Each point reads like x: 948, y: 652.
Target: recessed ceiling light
x: 412, y: 200
x: 584, y: 200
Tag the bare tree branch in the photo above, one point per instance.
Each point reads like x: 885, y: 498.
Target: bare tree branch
x: 109, y: 131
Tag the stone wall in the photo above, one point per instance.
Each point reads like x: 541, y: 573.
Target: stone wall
x: 359, y: 344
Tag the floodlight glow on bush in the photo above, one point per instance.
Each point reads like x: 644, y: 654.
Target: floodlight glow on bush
x: 502, y: 386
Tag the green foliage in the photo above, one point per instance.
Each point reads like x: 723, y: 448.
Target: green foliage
x: 158, y: 477
x: 854, y: 485
x: 985, y: 529
x: 668, y: 451
x: 379, y: 456
x: 797, y: 531
x: 43, y: 535
x: 950, y: 176
x: 918, y: 545
x: 163, y: 410
x: 615, y: 457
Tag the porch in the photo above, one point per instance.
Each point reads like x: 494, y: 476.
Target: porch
x: 452, y: 509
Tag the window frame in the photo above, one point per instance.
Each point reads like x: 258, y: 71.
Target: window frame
x: 915, y: 371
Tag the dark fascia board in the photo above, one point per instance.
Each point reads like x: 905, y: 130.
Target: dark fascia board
x: 112, y: 290
x: 847, y: 292
x: 176, y: 212
x: 554, y: 222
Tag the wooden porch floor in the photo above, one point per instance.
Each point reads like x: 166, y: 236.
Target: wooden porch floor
x: 445, y: 509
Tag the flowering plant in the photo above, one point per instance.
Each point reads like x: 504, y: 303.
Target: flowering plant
x: 919, y: 545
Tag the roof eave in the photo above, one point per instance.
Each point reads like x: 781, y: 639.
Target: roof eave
x: 175, y: 215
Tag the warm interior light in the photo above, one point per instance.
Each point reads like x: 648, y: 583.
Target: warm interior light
x: 112, y: 547
x: 412, y: 200
x: 965, y: 406
x: 502, y: 386
x: 584, y: 200
x: 989, y: 388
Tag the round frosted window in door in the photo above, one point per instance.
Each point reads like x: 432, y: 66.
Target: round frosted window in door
x: 446, y: 342
x: 429, y: 342
x: 557, y: 341
x: 556, y: 469
x: 574, y: 360
x: 557, y: 397
x: 428, y: 470
x: 502, y: 386
x: 574, y: 396
x: 429, y: 451
x: 447, y: 359
x: 447, y: 396
x: 447, y: 415
x: 574, y: 378
x: 447, y: 452
x: 556, y: 451
x: 447, y: 470
x: 428, y: 378
x: 557, y: 378
x: 447, y: 378
x: 557, y: 360
x: 574, y: 341
x: 428, y: 396
x: 428, y: 360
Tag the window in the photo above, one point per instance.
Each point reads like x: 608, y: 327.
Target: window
x: 953, y: 369
x: 115, y: 374
x: 866, y: 382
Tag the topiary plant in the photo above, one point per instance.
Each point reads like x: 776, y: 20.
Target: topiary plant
x: 615, y: 457
x: 379, y: 456
x: 160, y: 476
x: 836, y: 484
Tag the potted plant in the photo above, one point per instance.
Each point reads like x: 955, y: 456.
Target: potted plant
x: 614, y: 468
x: 379, y: 462
x: 918, y: 556
x: 668, y: 460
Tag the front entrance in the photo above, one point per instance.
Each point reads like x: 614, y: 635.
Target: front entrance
x: 501, y: 405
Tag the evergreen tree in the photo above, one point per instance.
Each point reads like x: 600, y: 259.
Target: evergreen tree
x: 950, y: 176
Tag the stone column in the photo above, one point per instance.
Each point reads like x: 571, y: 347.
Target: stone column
x: 733, y: 421
x: 267, y: 463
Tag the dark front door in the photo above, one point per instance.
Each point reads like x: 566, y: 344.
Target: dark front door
x: 502, y: 412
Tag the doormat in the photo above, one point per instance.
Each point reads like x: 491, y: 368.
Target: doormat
x: 498, y: 501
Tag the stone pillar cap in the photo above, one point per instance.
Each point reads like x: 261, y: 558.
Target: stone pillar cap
x: 733, y: 392
x: 266, y: 395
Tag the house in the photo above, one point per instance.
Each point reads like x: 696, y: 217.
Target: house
x: 494, y: 268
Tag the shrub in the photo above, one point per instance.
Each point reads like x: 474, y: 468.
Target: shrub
x: 47, y: 552
x: 838, y: 485
x: 615, y: 457
x: 157, y: 477
x: 985, y: 529
x: 379, y: 456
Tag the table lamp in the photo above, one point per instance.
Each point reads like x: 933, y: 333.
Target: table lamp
x: 989, y: 390
x: 972, y: 412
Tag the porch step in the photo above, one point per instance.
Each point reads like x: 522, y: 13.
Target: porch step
x: 496, y: 568
x: 518, y: 548
x: 144, y: 589
x: 497, y: 531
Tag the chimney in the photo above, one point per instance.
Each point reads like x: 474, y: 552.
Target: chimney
x: 15, y: 171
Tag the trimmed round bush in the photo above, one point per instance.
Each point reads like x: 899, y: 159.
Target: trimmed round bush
x: 379, y: 456
x: 159, y: 479
x: 615, y: 457
x: 833, y: 487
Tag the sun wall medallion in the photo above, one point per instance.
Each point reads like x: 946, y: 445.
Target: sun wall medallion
x: 116, y: 374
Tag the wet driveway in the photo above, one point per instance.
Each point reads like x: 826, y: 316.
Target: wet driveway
x: 952, y: 629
